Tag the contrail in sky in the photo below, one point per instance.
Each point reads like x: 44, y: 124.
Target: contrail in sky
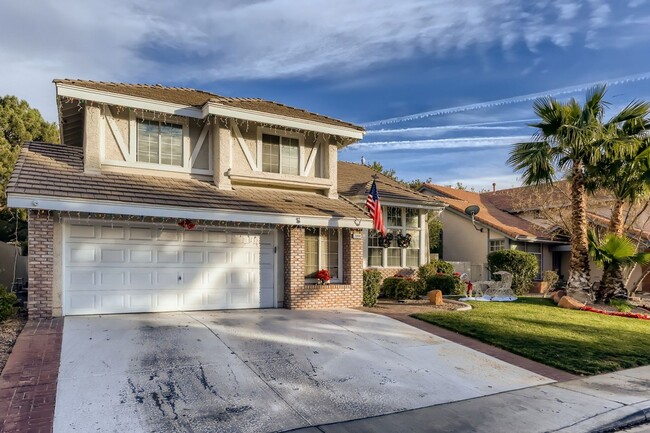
x: 515, y: 99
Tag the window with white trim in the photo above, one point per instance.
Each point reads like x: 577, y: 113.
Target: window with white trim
x: 497, y: 245
x: 159, y: 143
x: 323, y: 251
x: 280, y: 154
x: 398, y: 221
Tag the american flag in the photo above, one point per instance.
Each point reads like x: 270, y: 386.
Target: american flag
x: 374, y: 208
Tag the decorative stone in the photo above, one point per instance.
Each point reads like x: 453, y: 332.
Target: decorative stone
x: 435, y: 297
x: 569, y: 303
x: 558, y: 295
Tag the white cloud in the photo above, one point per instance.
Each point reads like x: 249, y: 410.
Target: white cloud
x: 443, y: 143
x: 203, y: 41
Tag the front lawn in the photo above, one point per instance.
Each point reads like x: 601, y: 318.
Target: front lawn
x: 576, y: 341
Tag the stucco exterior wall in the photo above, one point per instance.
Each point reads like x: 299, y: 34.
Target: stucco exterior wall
x: 462, y: 243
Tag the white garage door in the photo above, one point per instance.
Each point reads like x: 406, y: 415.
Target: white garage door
x: 122, y: 268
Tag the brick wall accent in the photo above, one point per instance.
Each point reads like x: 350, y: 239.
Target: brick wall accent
x: 294, y: 265
x: 40, y: 264
x: 298, y: 295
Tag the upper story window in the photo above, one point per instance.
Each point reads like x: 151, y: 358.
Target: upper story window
x: 160, y: 143
x: 280, y: 154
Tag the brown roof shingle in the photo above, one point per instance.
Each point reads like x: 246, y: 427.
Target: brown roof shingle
x: 489, y: 214
x: 55, y: 170
x: 354, y: 181
x: 197, y: 98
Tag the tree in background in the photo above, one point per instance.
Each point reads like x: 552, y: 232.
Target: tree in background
x: 567, y: 142
x: 18, y: 123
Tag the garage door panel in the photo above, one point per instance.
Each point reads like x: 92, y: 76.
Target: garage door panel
x: 141, y: 256
x: 82, y: 254
x: 140, y: 234
x: 112, y: 278
x: 140, y: 279
x: 77, y: 231
x: 112, y: 232
x: 168, y: 235
x: 112, y: 268
x: 110, y: 255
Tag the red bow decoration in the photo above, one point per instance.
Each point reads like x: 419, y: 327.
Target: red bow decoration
x: 187, y: 224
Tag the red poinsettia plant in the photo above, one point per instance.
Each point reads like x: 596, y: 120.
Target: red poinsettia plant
x: 323, y: 276
x: 187, y: 224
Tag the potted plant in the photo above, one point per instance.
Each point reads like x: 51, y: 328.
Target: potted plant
x: 323, y: 276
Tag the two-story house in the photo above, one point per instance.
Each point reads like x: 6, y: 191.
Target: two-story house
x: 165, y: 199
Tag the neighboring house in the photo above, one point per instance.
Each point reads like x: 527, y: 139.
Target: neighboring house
x: 166, y: 199
x: 517, y: 218
x: 495, y: 230
x: 404, y: 211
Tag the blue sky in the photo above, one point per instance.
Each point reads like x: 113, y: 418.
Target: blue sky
x: 363, y: 61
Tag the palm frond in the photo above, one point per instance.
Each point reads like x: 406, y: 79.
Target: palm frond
x: 535, y: 160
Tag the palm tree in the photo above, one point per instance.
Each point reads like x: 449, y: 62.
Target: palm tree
x: 567, y: 142
x: 613, y: 253
x: 623, y: 170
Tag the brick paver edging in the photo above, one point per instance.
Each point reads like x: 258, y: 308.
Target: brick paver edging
x: 479, y: 346
x: 28, y: 381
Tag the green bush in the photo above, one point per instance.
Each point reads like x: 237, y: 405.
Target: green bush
x: 388, y: 286
x: 447, y: 284
x: 407, y: 288
x: 371, y: 285
x: 8, y: 304
x: 433, y: 268
x: 621, y: 305
x: 522, y: 266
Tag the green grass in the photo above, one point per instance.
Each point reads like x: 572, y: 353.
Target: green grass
x: 579, y: 342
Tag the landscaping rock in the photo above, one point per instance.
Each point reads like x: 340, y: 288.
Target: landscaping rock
x: 435, y: 297
x: 558, y: 295
x: 569, y: 303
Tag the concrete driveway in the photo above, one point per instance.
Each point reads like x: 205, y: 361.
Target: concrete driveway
x: 259, y: 371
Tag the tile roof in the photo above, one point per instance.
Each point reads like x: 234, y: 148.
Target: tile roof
x: 54, y: 170
x: 354, y: 181
x: 198, y: 98
x: 489, y: 214
x: 536, y: 197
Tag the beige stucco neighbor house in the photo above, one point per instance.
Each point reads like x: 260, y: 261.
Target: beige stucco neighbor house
x: 166, y: 199
x: 516, y: 218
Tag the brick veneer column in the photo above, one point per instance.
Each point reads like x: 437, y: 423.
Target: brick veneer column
x: 40, y: 264
x: 353, y: 258
x: 294, y: 265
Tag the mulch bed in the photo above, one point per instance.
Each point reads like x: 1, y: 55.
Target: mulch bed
x: 9, y: 331
x: 390, y: 306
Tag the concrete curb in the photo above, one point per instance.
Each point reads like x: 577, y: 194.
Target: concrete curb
x: 623, y: 417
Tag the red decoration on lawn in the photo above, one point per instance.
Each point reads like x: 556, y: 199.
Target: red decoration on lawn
x: 617, y: 313
x: 323, y: 276
x: 187, y: 224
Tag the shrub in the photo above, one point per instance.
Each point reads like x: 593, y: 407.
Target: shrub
x: 522, y: 266
x: 371, y: 285
x: 550, y: 278
x: 433, y: 268
x: 621, y: 305
x: 447, y: 284
x: 388, y: 286
x: 8, y: 304
x: 407, y: 288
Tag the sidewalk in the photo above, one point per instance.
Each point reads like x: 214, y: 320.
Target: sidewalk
x: 595, y: 404
x: 28, y: 382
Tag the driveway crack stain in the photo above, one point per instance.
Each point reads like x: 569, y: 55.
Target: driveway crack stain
x: 298, y: 413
